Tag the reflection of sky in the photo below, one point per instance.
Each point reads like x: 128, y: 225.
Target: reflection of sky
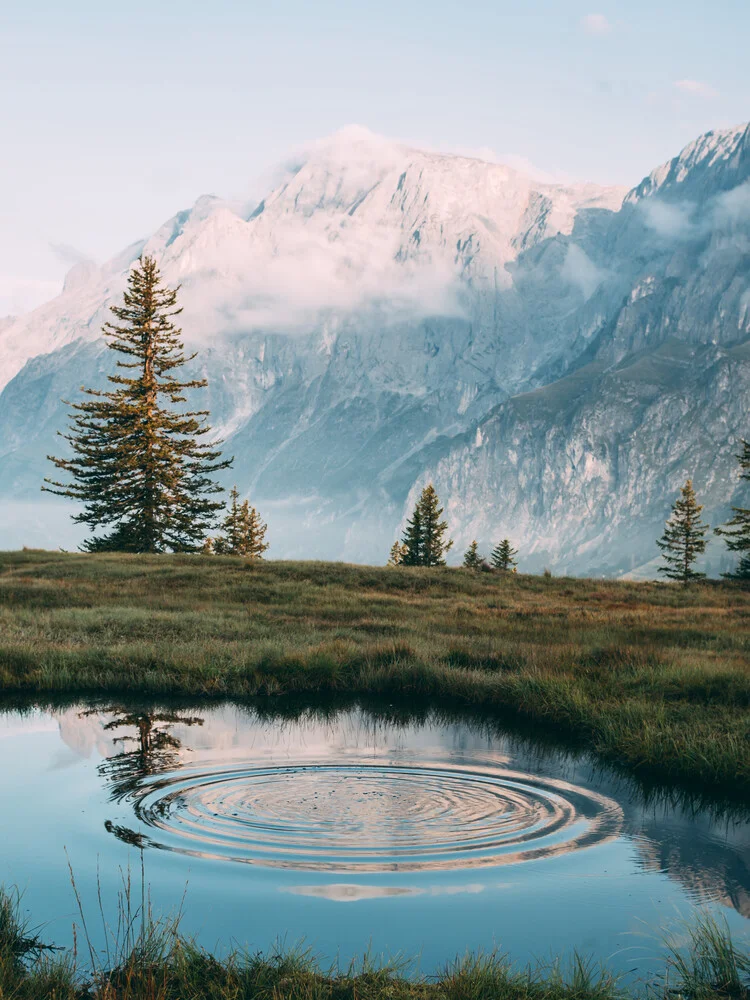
x: 610, y: 899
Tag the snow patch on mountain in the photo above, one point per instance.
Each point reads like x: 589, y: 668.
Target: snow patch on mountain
x: 555, y: 359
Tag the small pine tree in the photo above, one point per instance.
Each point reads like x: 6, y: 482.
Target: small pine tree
x: 232, y: 542
x: 503, y: 556
x: 434, y: 546
x: 244, y: 531
x: 138, y: 464
x: 684, y: 538
x: 472, y: 559
x: 736, y: 532
x: 411, y: 542
x: 255, y: 533
x: 396, y: 555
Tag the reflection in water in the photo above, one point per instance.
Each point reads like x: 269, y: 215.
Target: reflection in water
x: 356, y: 816
x: 155, y: 749
x: 355, y: 792
x: 343, y: 892
x: 688, y: 849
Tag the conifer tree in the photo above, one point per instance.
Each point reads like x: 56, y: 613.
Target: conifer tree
x: 503, y: 556
x: 231, y: 543
x: 244, y: 530
x: 138, y: 463
x: 434, y: 546
x: 255, y: 535
x: 684, y: 537
x: 411, y: 542
x: 736, y: 532
x: 396, y: 555
x: 472, y: 559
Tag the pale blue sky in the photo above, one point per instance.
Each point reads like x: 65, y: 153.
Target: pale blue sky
x: 115, y: 115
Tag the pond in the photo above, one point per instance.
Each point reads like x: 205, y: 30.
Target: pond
x: 354, y: 829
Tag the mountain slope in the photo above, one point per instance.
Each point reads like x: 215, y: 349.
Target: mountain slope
x: 387, y: 315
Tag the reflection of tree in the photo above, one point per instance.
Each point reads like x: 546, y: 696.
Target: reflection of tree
x: 154, y: 749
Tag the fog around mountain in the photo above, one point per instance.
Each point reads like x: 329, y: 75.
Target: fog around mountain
x: 557, y: 359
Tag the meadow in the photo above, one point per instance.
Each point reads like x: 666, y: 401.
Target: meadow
x: 652, y: 677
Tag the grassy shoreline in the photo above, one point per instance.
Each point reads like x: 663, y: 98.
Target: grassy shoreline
x: 148, y: 959
x: 651, y: 677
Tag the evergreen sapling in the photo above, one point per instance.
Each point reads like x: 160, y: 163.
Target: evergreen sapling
x: 684, y: 538
x: 396, y: 555
x: 736, y: 533
x: 503, y: 556
x: 472, y: 559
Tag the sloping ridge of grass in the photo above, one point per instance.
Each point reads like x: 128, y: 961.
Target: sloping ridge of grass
x: 652, y: 677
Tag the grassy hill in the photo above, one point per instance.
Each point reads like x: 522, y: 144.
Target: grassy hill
x: 653, y: 677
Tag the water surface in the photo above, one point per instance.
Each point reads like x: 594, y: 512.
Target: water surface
x: 351, y: 831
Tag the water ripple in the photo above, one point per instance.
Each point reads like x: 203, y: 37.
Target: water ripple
x: 371, y: 817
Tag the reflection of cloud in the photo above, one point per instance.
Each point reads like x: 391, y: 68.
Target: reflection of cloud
x: 696, y: 88
x: 343, y: 892
x: 26, y: 725
x: 596, y: 24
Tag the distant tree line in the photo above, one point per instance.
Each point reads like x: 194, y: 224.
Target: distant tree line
x: 142, y: 466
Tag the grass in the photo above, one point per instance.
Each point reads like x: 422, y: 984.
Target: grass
x: 151, y: 960
x: 652, y: 677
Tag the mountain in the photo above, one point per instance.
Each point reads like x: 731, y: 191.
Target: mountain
x: 556, y: 358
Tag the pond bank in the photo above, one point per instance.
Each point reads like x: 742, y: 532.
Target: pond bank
x: 152, y: 961
x: 651, y: 677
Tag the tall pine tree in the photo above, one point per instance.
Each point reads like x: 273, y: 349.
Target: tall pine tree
x: 503, y: 556
x: 736, y: 532
x: 423, y: 542
x: 684, y: 538
x: 138, y: 463
x: 434, y: 546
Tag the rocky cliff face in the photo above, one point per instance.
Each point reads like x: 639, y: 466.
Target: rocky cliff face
x: 555, y: 360
x: 583, y: 470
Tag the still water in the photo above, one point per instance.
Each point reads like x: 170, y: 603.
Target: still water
x: 350, y: 831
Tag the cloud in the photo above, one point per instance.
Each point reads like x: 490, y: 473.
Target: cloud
x: 724, y: 216
x: 581, y: 271
x: 21, y: 295
x: 733, y: 206
x: 527, y: 168
x: 313, y: 274
x: 67, y: 254
x: 668, y: 219
x: 596, y: 24
x: 696, y: 88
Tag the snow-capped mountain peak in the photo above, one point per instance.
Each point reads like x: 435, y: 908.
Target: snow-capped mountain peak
x: 556, y: 362
x: 715, y: 161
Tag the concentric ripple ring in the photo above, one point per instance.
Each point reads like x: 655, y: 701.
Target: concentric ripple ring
x: 350, y: 817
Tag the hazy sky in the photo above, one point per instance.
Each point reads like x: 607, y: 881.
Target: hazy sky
x: 116, y: 114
